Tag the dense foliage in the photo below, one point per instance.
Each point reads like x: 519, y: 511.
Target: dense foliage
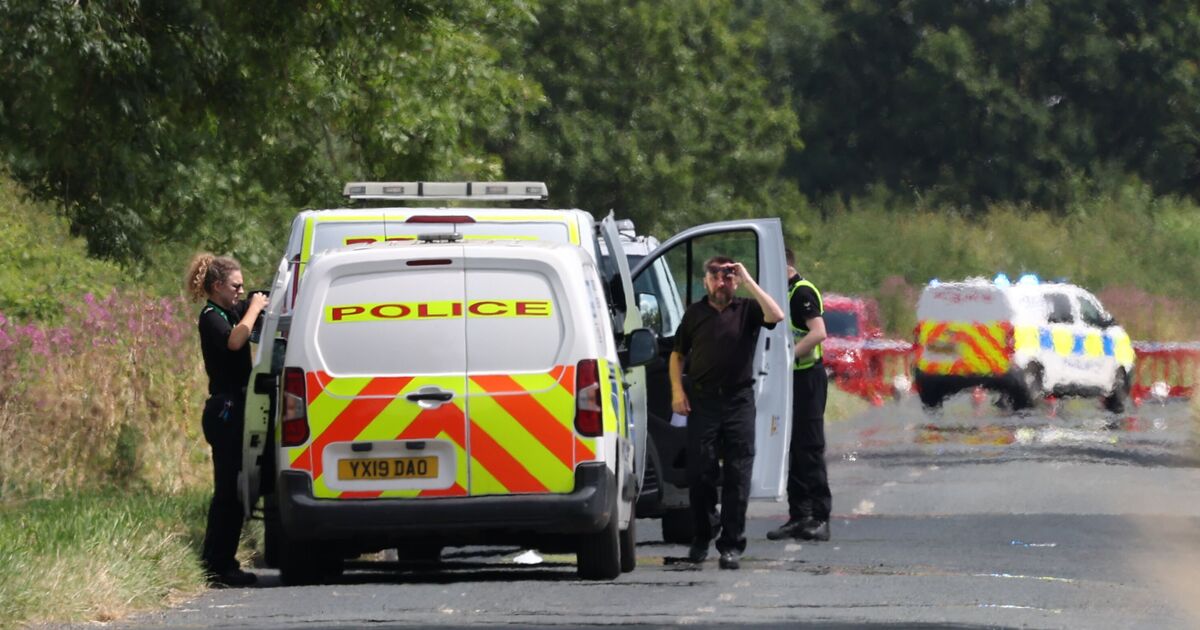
x: 982, y: 101
x: 160, y: 128
x: 210, y: 122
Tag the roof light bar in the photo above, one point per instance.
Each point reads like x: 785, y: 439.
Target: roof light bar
x: 477, y: 191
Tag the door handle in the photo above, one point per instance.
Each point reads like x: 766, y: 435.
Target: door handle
x: 436, y: 396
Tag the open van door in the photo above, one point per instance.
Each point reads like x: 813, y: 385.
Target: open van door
x: 757, y: 244
x: 262, y: 390
x: 620, y: 282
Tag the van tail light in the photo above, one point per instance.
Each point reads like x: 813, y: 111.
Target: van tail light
x: 589, y: 413
x: 295, y: 408
x: 1010, y: 339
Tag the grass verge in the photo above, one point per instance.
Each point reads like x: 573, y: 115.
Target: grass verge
x: 98, y: 557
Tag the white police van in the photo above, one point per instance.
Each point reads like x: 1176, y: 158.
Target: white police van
x: 759, y: 243
x: 1025, y: 340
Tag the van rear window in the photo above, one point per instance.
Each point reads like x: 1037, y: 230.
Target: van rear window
x: 964, y: 302
x: 394, y: 323
x: 521, y: 323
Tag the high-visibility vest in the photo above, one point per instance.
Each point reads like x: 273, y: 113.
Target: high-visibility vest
x: 798, y: 331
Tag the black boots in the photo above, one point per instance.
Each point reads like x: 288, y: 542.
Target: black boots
x: 804, y: 529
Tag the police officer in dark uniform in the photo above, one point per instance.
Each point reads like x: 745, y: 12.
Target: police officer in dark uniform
x: 225, y: 325
x: 717, y: 337
x: 809, y: 498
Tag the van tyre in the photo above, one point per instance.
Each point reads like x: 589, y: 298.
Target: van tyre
x: 305, y: 563
x: 599, y: 555
x: 678, y: 528
x: 629, y: 546
x: 1118, y: 399
x: 931, y: 395
x: 1029, y: 391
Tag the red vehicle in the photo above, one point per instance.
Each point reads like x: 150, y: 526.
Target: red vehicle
x: 856, y: 356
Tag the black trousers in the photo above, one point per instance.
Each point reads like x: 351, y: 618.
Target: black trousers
x: 720, y: 430
x: 222, y: 423
x: 808, y: 482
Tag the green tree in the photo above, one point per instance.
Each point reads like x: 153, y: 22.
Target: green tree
x: 209, y: 122
x: 983, y: 101
x: 655, y: 110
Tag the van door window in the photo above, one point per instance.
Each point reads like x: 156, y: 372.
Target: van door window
x: 1091, y: 313
x: 1058, y: 309
x: 686, y: 264
x: 657, y: 286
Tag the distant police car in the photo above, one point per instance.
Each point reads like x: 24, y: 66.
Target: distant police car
x: 1026, y: 340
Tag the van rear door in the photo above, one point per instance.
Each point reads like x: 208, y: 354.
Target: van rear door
x: 963, y: 329
x: 262, y: 393
x: 385, y: 360
x: 758, y: 244
x: 521, y: 397
x: 626, y: 319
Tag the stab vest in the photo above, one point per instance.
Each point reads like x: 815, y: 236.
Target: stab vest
x: 798, y: 331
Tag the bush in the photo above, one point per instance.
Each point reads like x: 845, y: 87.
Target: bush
x: 1124, y: 238
x: 42, y: 265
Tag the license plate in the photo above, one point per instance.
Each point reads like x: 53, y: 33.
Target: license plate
x: 388, y: 468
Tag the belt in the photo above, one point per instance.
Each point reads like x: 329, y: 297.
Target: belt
x: 722, y: 390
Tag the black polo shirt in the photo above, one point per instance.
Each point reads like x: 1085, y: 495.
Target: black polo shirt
x: 228, y: 370
x: 719, y: 345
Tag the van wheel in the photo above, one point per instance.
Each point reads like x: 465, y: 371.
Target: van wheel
x: 678, y: 527
x: 1029, y: 392
x: 1116, y: 401
x: 931, y: 396
x: 599, y: 554
x: 300, y: 564
x: 629, y: 546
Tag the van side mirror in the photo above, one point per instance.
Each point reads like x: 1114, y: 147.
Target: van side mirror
x: 651, y: 313
x: 641, y: 347
x: 1108, y: 321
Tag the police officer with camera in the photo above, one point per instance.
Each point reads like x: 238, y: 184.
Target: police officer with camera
x: 717, y: 338
x: 225, y: 326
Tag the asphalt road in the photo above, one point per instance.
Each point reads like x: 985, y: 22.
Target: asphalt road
x: 969, y: 519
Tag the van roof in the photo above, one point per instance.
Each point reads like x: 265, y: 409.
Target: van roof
x: 981, y: 299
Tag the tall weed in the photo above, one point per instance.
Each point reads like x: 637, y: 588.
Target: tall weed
x: 111, y: 395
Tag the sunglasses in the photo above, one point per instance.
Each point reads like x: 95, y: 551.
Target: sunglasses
x: 237, y: 286
x: 719, y: 271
